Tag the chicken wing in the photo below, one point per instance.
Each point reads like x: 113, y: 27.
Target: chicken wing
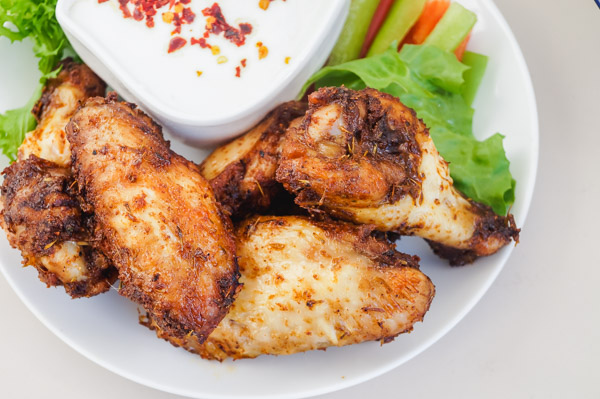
x: 242, y: 172
x: 365, y: 157
x: 42, y: 217
x: 311, y: 285
x: 156, y: 217
x: 51, y: 234
x: 60, y: 99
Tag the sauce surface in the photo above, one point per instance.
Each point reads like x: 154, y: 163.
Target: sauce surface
x: 202, y: 58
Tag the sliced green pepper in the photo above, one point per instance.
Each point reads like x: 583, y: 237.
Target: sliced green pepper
x: 401, y: 17
x: 353, y: 34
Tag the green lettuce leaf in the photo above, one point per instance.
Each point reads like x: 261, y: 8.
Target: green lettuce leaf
x: 439, y: 68
x: 15, y: 123
x: 35, y: 20
x: 430, y: 81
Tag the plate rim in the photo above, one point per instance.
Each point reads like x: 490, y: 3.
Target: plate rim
x: 527, y: 195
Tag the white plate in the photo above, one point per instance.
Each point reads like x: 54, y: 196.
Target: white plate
x: 105, y: 328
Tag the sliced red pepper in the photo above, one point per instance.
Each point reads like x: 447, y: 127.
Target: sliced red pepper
x: 378, y: 18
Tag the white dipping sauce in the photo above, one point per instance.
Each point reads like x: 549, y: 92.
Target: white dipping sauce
x: 207, y: 108
x: 171, y: 79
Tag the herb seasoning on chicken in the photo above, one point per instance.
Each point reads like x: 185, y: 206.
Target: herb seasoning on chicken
x: 156, y: 217
x: 363, y: 156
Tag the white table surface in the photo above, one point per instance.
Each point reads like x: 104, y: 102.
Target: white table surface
x: 535, y: 334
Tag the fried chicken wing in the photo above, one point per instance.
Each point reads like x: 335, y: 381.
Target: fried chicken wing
x: 156, y: 217
x: 311, y: 285
x: 242, y: 172
x: 60, y: 99
x: 365, y: 157
x: 42, y: 218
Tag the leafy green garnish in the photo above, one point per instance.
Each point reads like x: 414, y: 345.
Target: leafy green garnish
x: 430, y: 81
x: 33, y: 19
x: 14, y: 124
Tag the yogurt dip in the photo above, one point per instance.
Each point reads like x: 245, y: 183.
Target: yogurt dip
x: 205, y: 80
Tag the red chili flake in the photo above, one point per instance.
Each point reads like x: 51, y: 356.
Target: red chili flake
x: 141, y: 9
x: 137, y: 14
x: 188, y: 15
x: 177, y: 23
x: 201, y: 42
x: 176, y: 43
x: 246, y: 28
x: 236, y: 36
x: 124, y: 9
x: 238, y: 69
x: 150, y: 12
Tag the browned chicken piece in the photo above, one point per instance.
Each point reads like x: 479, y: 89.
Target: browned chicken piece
x: 155, y: 216
x: 363, y: 156
x: 242, y: 172
x: 60, y: 99
x: 311, y: 285
x: 42, y: 217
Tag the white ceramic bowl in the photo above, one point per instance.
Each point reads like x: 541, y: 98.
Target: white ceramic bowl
x: 217, y: 105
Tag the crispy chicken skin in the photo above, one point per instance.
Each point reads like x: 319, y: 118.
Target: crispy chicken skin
x: 42, y: 218
x: 155, y: 216
x: 60, y: 99
x: 311, y: 285
x: 242, y: 172
x: 365, y: 157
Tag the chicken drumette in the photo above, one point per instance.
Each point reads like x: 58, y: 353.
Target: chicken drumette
x: 365, y: 157
x: 311, y: 285
x: 60, y: 99
x: 43, y: 219
x: 155, y: 216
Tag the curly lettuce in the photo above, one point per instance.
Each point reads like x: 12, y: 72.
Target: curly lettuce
x: 440, y: 89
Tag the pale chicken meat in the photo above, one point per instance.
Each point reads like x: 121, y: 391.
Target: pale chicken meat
x: 60, y: 99
x: 41, y: 215
x: 155, y: 217
x: 242, y: 172
x: 363, y: 156
x: 311, y: 285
